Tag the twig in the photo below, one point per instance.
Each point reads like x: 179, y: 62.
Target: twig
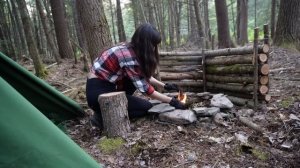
x: 281, y: 69
x: 51, y: 65
x: 181, y: 164
x: 250, y: 124
x: 286, y: 79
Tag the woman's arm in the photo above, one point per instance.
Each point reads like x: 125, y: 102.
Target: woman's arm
x: 156, y: 82
x: 161, y: 97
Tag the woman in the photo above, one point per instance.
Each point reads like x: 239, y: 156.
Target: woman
x: 127, y: 67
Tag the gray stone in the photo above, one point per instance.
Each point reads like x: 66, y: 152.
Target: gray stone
x: 161, y: 108
x: 206, y: 111
x: 220, y: 100
x: 178, y: 117
x: 154, y: 102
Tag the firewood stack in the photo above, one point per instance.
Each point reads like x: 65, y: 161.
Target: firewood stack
x: 242, y: 73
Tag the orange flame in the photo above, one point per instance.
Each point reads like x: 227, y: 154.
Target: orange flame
x: 182, y: 97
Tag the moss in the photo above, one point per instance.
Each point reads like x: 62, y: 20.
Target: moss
x: 110, y: 145
x: 137, y: 148
x: 260, y: 154
x: 285, y: 103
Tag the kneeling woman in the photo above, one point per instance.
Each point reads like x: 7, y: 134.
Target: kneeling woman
x: 127, y: 67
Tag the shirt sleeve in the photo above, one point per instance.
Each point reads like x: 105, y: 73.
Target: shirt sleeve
x: 132, y: 70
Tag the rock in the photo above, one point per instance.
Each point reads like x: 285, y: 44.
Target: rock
x: 206, y: 111
x: 220, y: 100
x: 178, y: 117
x: 191, y: 156
x: 161, y: 108
x: 246, y: 112
x: 155, y: 102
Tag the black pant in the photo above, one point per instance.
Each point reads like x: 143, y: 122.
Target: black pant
x: 137, y: 107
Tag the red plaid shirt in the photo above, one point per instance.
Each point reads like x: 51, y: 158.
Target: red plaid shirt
x: 118, y: 62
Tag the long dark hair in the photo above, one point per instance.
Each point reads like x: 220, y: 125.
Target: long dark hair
x: 145, y: 41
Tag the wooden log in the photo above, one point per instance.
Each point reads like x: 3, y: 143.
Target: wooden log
x: 251, y: 124
x: 182, y: 58
x: 238, y: 51
x: 114, y: 113
x: 240, y: 101
x: 187, y: 83
x: 231, y: 87
x: 264, y: 80
x: 232, y: 69
x: 229, y: 79
x: 180, y: 68
x: 221, y: 52
x: 180, y: 76
x: 262, y: 58
x: 263, y: 89
x: 229, y: 60
x: 237, y: 69
x: 264, y: 69
x: 174, y: 63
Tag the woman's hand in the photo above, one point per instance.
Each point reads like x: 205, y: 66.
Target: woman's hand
x: 177, y: 104
x: 171, y: 86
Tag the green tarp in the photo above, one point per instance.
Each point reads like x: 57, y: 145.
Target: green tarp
x: 30, y: 140
x: 44, y: 97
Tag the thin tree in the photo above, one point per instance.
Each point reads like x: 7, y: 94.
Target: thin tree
x: 61, y: 29
x: 80, y: 36
x: 273, y: 18
x: 16, y: 13
x: 120, y: 25
x: 198, y: 19
x: 288, y: 24
x: 223, y: 24
x: 49, y: 36
x: 95, y: 26
x: 112, y: 14
x: 33, y: 51
x: 242, y: 22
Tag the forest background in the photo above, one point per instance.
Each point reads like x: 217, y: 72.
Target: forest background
x: 50, y: 30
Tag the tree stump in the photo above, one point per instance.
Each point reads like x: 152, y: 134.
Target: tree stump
x: 115, y: 114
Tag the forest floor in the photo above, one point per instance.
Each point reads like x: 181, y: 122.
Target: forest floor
x: 202, y: 144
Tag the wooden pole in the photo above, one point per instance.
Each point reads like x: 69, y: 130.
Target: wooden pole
x: 220, y: 52
x: 203, y: 64
x: 255, y: 52
x: 114, y: 113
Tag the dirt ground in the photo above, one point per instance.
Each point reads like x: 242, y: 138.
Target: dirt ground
x: 202, y: 144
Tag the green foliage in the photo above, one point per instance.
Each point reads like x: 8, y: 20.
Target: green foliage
x: 260, y: 154
x: 285, y: 103
x: 110, y: 145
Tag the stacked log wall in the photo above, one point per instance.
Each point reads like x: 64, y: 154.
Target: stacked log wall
x: 230, y: 71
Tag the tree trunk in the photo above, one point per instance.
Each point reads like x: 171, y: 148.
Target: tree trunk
x: 273, y: 18
x: 20, y: 28
x: 288, y: 24
x: 136, y: 18
x: 171, y: 23
x: 114, y: 113
x: 223, y: 24
x: 178, y: 7
x: 81, y: 37
x: 121, y: 31
x: 95, y: 26
x: 49, y: 36
x: 33, y: 51
x: 198, y: 19
x: 61, y: 29
x: 206, y: 21
x: 242, y: 22
x: 112, y: 14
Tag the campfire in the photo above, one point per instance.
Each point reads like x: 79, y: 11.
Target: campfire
x: 182, y: 97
